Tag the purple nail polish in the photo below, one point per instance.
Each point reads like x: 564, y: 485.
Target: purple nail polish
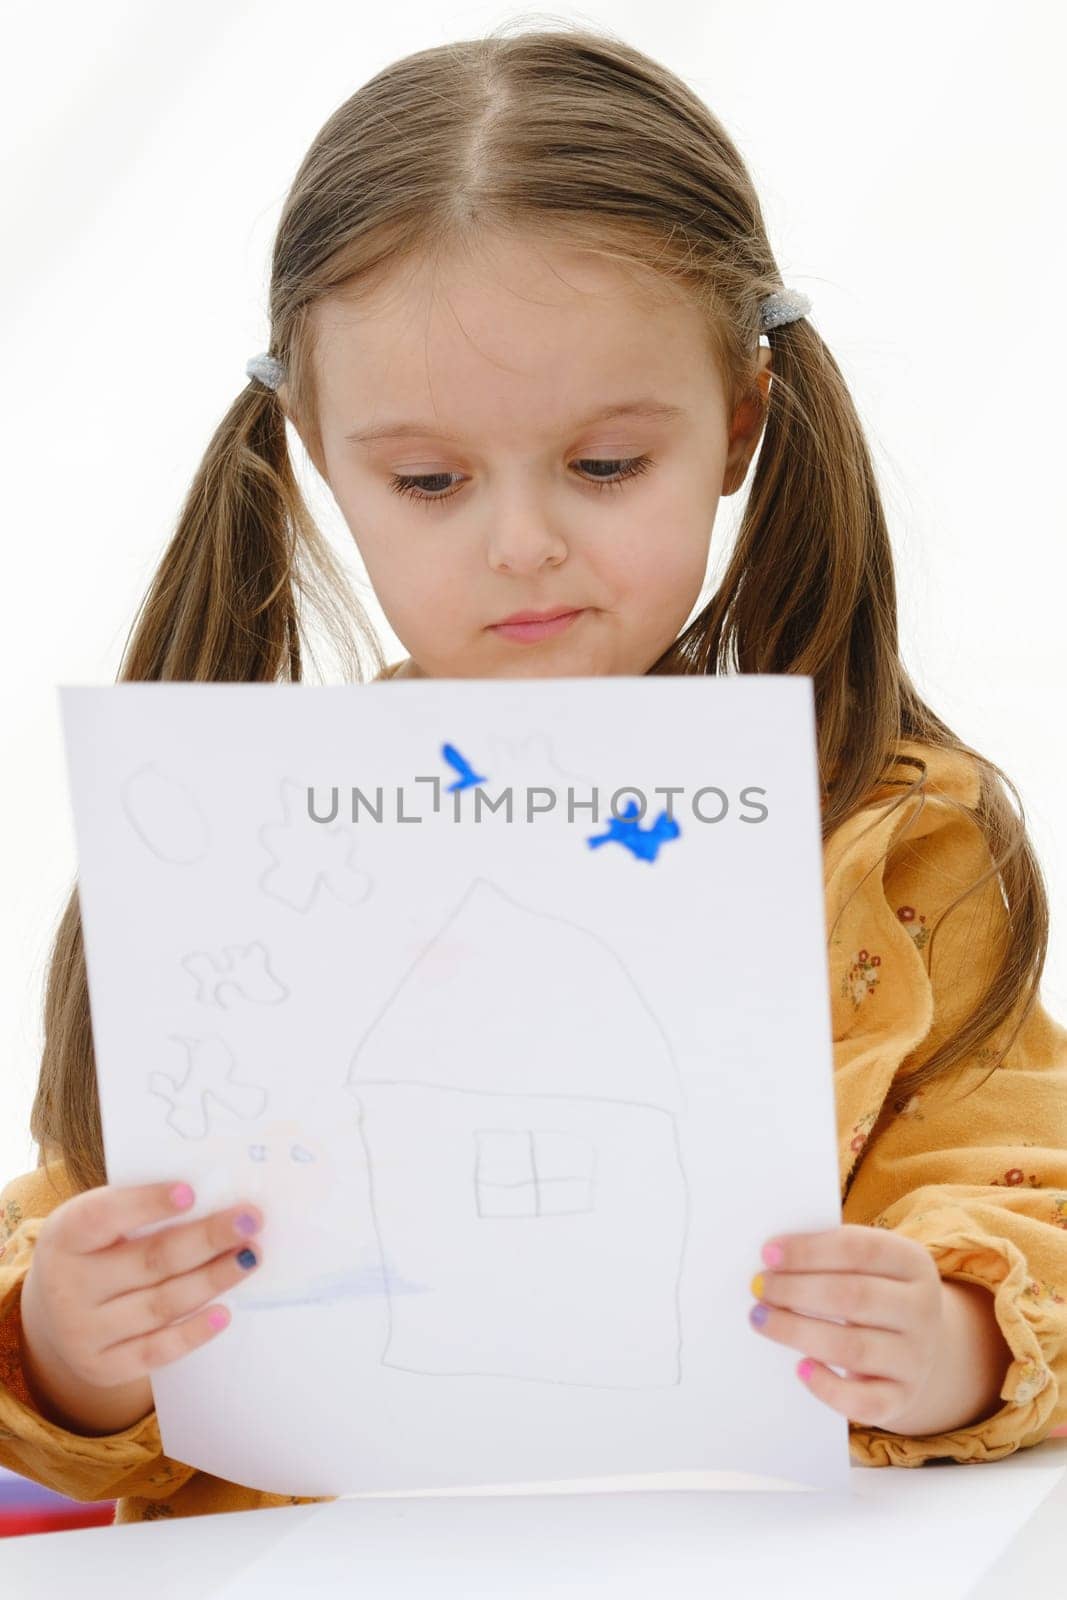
x: 245, y: 1223
x: 758, y: 1315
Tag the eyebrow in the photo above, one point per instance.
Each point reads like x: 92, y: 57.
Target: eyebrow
x: 645, y: 406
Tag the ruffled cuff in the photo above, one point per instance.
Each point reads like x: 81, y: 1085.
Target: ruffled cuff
x: 1033, y: 1320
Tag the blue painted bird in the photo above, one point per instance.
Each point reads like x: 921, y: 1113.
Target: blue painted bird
x: 627, y: 830
x: 468, y: 778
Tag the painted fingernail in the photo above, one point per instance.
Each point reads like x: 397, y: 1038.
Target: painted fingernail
x: 758, y: 1315
x: 756, y: 1286
x: 245, y: 1222
x: 181, y: 1196
x: 219, y: 1317
x: 246, y: 1258
x: 772, y: 1255
x: 805, y: 1368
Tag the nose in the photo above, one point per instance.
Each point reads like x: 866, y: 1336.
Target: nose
x: 521, y: 542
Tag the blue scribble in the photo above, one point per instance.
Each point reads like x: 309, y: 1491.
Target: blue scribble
x: 644, y: 842
x: 468, y: 778
x: 328, y: 1288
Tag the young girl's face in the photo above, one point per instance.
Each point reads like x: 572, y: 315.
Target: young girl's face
x: 527, y: 502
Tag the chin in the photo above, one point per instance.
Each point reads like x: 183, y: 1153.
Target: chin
x: 547, y: 667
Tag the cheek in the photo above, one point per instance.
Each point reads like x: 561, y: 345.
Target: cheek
x: 664, y: 561
x: 420, y: 591
x: 399, y: 564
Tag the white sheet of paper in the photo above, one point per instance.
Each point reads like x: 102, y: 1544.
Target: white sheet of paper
x: 951, y: 1532
x: 520, y: 1108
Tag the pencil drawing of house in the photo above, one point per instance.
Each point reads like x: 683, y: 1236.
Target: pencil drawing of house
x: 518, y: 1105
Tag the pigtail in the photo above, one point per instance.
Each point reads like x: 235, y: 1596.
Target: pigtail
x: 809, y: 587
x: 224, y: 606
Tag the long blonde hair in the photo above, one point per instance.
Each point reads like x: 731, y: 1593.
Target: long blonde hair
x: 574, y: 135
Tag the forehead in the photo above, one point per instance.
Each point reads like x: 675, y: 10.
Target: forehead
x: 516, y: 327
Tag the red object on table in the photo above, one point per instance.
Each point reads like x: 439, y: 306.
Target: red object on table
x: 42, y: 1519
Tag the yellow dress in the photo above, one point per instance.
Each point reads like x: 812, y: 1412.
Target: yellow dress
x: 980, y: 1180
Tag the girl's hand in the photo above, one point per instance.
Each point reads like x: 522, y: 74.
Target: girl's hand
x: 102, y: 1310
x: 889, y: 1290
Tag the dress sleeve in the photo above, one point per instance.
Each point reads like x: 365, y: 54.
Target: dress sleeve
x: 80, y: 1467
x: 973, y: 1166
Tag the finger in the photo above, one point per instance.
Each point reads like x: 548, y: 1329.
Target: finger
x: 855, y: 1297
x: 170, y: 1252
x: 872, y: 1402
x: 96, y: 1218
x: 879, y: 1352
x: 136, y: 1358
x: 851, y: 1247
x: 147, y: 1311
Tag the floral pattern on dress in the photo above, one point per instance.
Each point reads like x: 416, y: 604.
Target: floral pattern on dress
x: 1041, y: 1293
x: 1013, y: 1177
x: 861, y: 979
x: 880, y: 1222
x: 10, y: 1217
x: 914, y: 925
x: 861, y: 1129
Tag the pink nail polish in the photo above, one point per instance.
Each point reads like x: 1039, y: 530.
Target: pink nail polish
x: 218, y: 1318
x: 772, y: 1255
x: 181, y: 1196
x: 805, y: 1368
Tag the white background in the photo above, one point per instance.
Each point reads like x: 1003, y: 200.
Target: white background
x: 909, y: 161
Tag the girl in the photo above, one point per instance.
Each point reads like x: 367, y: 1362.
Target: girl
x: 517, y: 295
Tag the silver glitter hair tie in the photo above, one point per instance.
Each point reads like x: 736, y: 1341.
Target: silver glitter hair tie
x: 785, y: 305
x: 268, y: 369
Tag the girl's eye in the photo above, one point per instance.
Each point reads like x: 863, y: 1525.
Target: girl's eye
x: 420, y: 488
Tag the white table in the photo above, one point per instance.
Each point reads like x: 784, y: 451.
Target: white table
x: 1002, y: 1523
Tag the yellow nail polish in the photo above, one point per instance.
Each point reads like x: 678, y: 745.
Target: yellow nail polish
x: 756, y: 1286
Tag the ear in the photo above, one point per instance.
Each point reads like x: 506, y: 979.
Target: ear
x: 746, y: 425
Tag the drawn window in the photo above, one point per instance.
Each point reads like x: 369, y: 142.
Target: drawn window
x: 532, y: 1172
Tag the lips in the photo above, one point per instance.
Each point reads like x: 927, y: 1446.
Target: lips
x: 544, y: 625
x: 536, y: 616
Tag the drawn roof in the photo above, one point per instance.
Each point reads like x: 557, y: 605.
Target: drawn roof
x: 508, y: 1000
